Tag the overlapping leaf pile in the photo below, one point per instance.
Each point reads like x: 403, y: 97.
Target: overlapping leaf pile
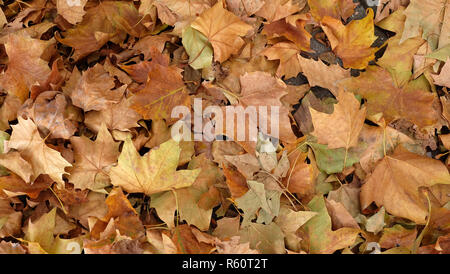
x: 87, y: 163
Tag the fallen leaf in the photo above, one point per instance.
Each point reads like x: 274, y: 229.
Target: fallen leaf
x: 152, y: 173
x: 225, y: 34
x: 26, y: 139
x: 402, y: 173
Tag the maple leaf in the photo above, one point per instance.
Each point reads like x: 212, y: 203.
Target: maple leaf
x: 249, y: 7
x: 152, y: 173
x: 384, y: 96
x: 400, y: 175
x: 432, y: 18
x: 342, y: 127
x: 118, y: 116
x: 261, y: 89
x: 301, y: 176
x: 93, y: 90
x: 224, y: 35
x: 191, y: 200
x: 72, y: 13
x: 398, y: 57
x: 257, y: 198
x: 268, y: 239
x: 274, y: 10
x: 294, y: 32
x: 50, y: 113
x: 26, y: 139
x: 185, y: 9
x: 333, y: 160
x: 333, y: 8
x: 109, y: 21
x: 163, y: 91
x: 379, y: 141
x: 25, y: 65
x: 398, y: 236
x: 321, y: 75
x: 352, y: 42
x: 15, y: 163
x: 289, y: 57
x: 39, y: 234
x: 92, y: 160
x: 322, y: 240
x: 15, y: 186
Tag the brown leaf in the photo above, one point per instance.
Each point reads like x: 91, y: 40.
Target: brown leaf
x: 396, y: 180
x: 225, y: 34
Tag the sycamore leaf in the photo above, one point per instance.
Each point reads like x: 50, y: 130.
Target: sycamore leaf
x: 398, y: 236
x: 26, y: 139
x: 260, y: 89
x: 13, y: 185
x: 198, y: 48
x: 334, y: 8
x: 72, y: 13
x: 341, y: 128
x: 40, y: 232
x: 294, y: 32
x: 432, y: 18
x: 109, y: 21
x: 25, y: 66
x: 92, y: 160
x: 289, y: 57
x: 258, y: 198
x: 383, y: 95
x: 321, y: 75
x: 290, y: 221
x: 51, y: 111
x: 245, y: 7
x: 223, y: 34
x: 15, y: 163
x: 268, y: 239
x: 398, y: 57
x: 322, y: 240
x: 352, y: 42
x: 191, y: 200
x: 185, y: 9
x: 152, y: 173
x: 379, y: 141
x: 395, y: 184
x: 93, y: 90
x: 274, y: 10
x: 301, y: 176
x: 333, y: 160
x: 163, y: 91
x: 118, y: 116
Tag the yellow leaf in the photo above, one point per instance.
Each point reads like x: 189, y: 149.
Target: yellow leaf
x: 334, y: 8
x: 352, y: 42
x: 152, y: 173
x: 342, y: 127
x: 223, y: 34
